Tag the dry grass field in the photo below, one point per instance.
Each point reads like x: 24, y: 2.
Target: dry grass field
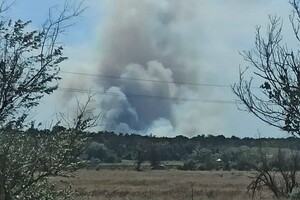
x: 165, y: 185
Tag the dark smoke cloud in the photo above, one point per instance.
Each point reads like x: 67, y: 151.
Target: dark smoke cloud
x: 145, y: 40
x: 170, y: 40
x: 118, y: 109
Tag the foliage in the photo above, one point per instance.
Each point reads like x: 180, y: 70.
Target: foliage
x: 95, y: 150
x: 29, y: 67
x: 28, y: 159
x: 295, y: 194
x: 234, y: 152
x: 276, y: 68
x: 154, y: 156
x: 140, y: 156
x: 243, y: 158
x: 190, y: 164
x: 29, y: 64
x: 111, y: 157
x: 277, y: 101
x: 97, y: 153
x: 277, y: 173
x: 204, y: 158
x: 45, y: 190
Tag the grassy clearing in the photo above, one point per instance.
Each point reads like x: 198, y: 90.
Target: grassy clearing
x: 166, y: 185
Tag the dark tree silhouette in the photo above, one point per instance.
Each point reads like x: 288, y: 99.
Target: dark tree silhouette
x: 278, y: 173
x: 276, y: 102
x: 140, y: 156
x: 28, y: 70
x: 29, y: 63
x: 277, y: 71
x: 154, y: 156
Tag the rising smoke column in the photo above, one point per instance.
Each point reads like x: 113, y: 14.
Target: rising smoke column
x: 149, y: 40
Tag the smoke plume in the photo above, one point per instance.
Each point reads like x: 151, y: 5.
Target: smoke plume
x: 149, y: 40
x: 160, y: 43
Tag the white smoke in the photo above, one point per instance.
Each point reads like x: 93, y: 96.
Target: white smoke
x: 171, y: 41
x: 149, y: 41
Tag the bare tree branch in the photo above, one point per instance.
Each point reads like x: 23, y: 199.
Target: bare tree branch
x: 277, y: 69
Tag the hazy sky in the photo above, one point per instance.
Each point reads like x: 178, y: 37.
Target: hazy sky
x: 168, y: 42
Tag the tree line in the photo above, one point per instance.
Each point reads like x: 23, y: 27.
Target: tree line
x: 202, y: 152
x: 124, y: 146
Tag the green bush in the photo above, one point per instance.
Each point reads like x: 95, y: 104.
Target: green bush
x: 295, y: 195
x: 189, y: 165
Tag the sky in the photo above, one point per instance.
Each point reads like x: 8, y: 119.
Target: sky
x: 171, y: 63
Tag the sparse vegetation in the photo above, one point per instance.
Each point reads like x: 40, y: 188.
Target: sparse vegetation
x: 277, y: 172
x: 276, y: 68
x: 167, y: 185
x: 29, y: 67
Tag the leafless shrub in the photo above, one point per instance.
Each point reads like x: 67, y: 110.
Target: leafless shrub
x: 277, y: 174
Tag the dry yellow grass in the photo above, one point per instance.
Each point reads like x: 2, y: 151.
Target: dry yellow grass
x: 166, y: 185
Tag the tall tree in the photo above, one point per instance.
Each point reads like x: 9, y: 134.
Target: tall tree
x: 276, y: 70
x: 154, y: 155
x: 29, y: 62
x: 139, y: 156
x: 29, y: 67
x: 276, y: 102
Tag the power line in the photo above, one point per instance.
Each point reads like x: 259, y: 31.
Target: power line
x: 76, y: 90
x: 148, y: 80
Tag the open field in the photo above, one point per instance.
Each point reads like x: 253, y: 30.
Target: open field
x: 166, y: 185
